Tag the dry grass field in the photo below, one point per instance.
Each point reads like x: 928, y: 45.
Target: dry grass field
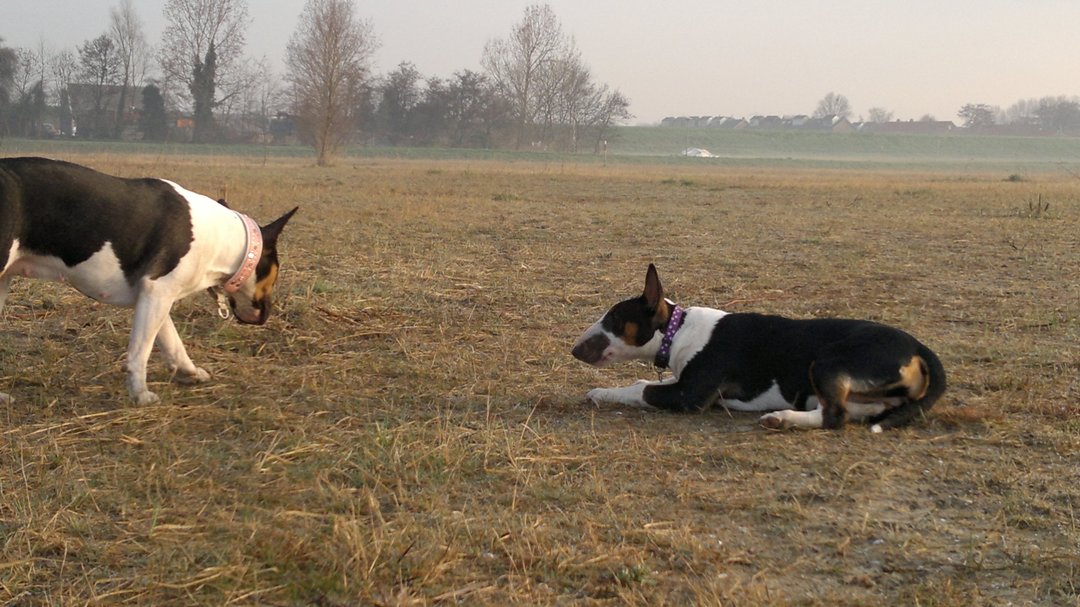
x: 410, y: 429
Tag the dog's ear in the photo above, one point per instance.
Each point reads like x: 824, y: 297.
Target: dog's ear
x: 271, y: 230
x: 654, y: 291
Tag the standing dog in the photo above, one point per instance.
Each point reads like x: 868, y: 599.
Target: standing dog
x: 810, y: 373
x: 142, y: 243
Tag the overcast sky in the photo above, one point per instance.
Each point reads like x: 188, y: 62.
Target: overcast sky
x: 696, y: 57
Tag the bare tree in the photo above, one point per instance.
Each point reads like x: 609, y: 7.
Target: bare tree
x: 517, y: 62
x: 977, y: 115
x: 328, y: 60
x: 8, y: 60
x: 1024, y: 111
x: 833, y: 105
x: 64, y: 65
x: 27, y: 70
x: 880, y: 115
x: 200, y: 49
x: 132, y: 52
x: 259, y: 98
x: 7, y: 74
x: 400, y: 94
x: 23, y: 90
x: 613, y: 109
x: 100, y: 68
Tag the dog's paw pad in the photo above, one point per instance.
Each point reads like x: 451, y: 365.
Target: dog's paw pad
x: 772, y: 421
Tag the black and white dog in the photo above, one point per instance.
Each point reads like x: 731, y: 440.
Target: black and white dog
x: 142, y: 243
x: 809, y: 373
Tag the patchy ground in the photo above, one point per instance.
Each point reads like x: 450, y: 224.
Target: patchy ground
x: 410, y: 428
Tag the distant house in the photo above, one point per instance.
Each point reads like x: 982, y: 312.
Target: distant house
x: 911, y: 127
x: 766, y: 122
x: 727, y: 123
x: 798, y: 121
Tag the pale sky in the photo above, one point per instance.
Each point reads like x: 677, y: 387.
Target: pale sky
x: 696, y: 57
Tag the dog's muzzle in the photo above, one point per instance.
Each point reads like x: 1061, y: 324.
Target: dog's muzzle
x: 591, y: 350
x: 257, y: 314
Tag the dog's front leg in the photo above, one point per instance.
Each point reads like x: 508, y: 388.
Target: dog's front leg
x: 150, y: 313
x: 176, y: 357
x: 632, y: 395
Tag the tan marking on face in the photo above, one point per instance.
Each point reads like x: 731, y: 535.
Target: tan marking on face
x: 264, y: 287
x: 915, y: 377
x: 629, y: 333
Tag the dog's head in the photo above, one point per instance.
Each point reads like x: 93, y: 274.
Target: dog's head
x: 630, y: 329
x: 251, y: 304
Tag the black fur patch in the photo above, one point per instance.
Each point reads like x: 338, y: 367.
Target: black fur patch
x: 69, y: 211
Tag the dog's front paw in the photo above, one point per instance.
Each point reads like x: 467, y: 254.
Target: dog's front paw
x: 145, y: 397
x: 597, y: 396
x: 773, y: 421
x: 6, y: 399
x: 198, y: 376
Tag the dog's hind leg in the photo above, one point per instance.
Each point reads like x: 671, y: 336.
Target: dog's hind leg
x: 788, y: 418
x: 176, y: 357
x: 832, y: 388
x: 902, y: 414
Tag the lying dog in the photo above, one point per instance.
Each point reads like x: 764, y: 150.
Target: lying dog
x: 142, y: 243
x: 810, y: 373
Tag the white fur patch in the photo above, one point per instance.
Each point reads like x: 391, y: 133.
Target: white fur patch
x: 798, y: 419
x: 769, y: 400
x: 696, y: 331
x: 99, y: 277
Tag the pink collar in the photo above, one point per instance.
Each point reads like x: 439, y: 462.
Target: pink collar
x: 251, y: 256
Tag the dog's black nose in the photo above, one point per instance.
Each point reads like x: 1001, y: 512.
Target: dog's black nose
x: 590, y: 350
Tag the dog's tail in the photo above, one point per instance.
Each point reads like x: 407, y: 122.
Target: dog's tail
x: 934, y: 374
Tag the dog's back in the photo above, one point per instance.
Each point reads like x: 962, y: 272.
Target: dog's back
x: 63, y: 210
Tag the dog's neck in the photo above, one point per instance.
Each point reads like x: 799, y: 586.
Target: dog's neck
x: 674, y: 322
x: 250, y: 259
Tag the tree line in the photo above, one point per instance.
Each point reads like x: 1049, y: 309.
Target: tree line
x: 1058, y: 115
x: 533, y: 90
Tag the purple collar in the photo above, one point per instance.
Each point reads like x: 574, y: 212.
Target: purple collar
x: 663, y: 355
x: 251, y: 255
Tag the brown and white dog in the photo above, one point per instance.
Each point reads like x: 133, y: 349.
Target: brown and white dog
x: 813, y: 373
x: 141, y: 243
